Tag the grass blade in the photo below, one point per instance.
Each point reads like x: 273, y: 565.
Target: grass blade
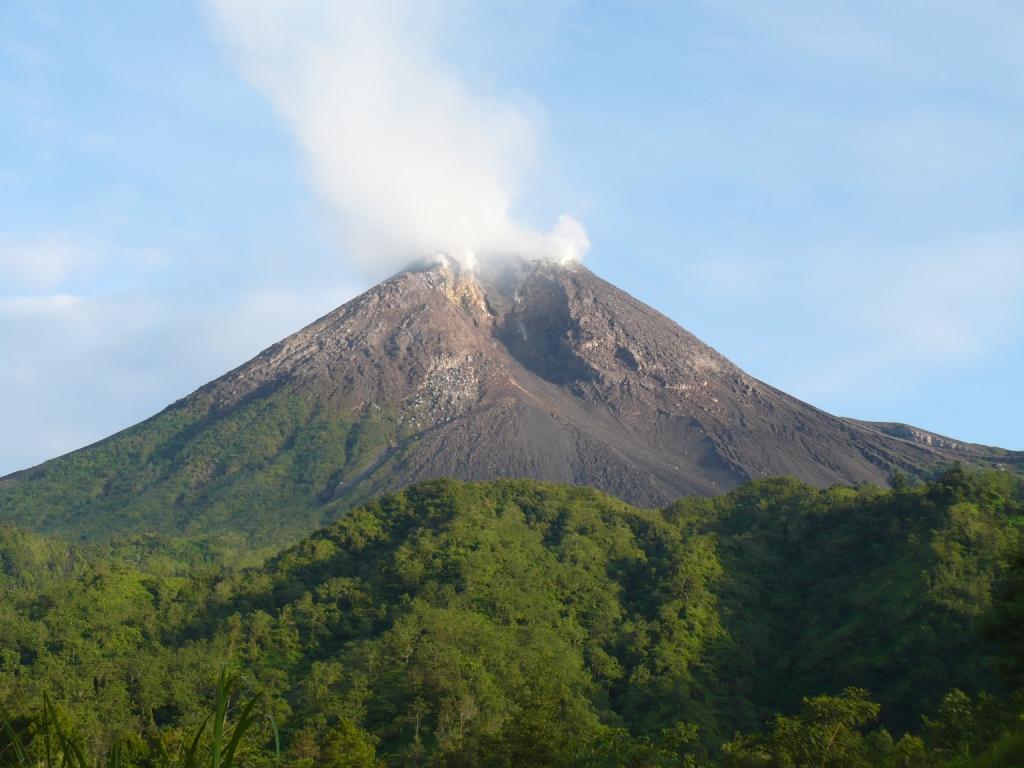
x: 220, y: 715
x: 243, y: 724
x: 189, y: 759
x: 19, y: 749
x: 277, y: 738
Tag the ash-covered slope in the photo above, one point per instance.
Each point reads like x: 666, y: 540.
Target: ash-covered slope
x: 522, y: 369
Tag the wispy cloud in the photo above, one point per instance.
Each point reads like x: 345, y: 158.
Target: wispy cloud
x: 35, y: 306
x: 41, y: 263
x: 76, y: 368
x: 951, y: 308
x: 836, y: 30
x: 866, y: 320
x: 920, y: 153
x: 897, y: 321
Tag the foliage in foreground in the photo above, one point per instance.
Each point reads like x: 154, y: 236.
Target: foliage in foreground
x: 218, y: 742
x: 521, y: 623
x: 827, y: 732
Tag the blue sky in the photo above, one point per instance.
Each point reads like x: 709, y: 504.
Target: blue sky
x: 830, y: 193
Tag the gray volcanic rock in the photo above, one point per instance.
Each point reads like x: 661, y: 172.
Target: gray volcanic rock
x: 520, y: 369
x: 531, y: 369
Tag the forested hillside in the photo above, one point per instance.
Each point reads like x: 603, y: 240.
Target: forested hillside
x: 521, y: 623
x: 263, y: 473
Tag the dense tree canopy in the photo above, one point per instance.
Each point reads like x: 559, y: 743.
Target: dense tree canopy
x: 521, y: 623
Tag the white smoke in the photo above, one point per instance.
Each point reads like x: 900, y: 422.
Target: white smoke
x: 411, y: 160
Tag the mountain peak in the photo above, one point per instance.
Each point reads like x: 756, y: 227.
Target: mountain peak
x: 514, y: 367
x: 511, y: 368
x: 491, y: 282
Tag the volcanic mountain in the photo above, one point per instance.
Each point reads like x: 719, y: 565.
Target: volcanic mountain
x: 516, y: 369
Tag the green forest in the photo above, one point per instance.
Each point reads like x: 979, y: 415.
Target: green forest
x: 519, y: 623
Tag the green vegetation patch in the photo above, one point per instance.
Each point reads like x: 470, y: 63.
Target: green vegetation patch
x: 523, y: 623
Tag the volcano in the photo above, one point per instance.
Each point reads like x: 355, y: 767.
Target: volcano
x: 514, y: 369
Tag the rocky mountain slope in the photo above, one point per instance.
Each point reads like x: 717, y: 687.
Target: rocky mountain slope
x: 518, y: 369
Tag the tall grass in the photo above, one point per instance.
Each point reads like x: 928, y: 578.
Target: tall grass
x: 214, y: 745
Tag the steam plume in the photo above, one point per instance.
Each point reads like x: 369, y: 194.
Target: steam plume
x: 412, y: 161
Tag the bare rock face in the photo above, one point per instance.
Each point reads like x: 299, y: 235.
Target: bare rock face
x: 530, y: 369
x: 518, y: 369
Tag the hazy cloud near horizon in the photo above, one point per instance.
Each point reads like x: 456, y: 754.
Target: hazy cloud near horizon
x: 411, y: 158
x: 77, y: 368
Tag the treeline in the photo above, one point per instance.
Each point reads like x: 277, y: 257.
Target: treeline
x: 522, y: 623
